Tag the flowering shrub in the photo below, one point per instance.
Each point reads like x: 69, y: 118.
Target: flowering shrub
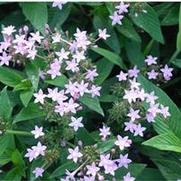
x: 83, y: 92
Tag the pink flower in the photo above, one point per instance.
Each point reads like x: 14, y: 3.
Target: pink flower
x: 122, y: 8
x: 31, y: 154
x: 133, y: 114
x: 116, y: 18
x: 82, y: 88
x: 122, y: 76
x: 139, y: 130
x: 54, y: 70
x: 71, y: 106
x: 71, y: 88
x: 102, y: 34
x: 151, y: 60
x: 8, y: 30
x: 150, y: 117
x: 164, y: 111
x: 123, y: 142
x: 38, y: 132
x: 76, y: 123
x: 130, y: 126
x: 79, y: 55
x: 95, y: 91
x: 151, y: 98
x: 133, y: 72
x: 167, y: 72
x: 128, y: 177
x: 56, y: 38
x: 104, y: 132
x: 5, y: 59
x: 39, y: 97
x: 92, y: 169
x: 62, y: 54
x: 152, y: 74
x: 39, y: 149
x: 74, y: 154
x: 130, y: 95
x: 153, y: 109
x: 134, y: 84
x: 91, y: 74
x: 38, y: 171
x: 36, y: 37
x: 58, y: 3
x: 123, y: 161
x: 72, y: 65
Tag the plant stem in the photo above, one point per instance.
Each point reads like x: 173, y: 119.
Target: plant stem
x: 174, y: 56
x: 16, y: 132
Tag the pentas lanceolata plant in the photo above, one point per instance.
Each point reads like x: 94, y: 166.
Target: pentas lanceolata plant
x: 68, y: 55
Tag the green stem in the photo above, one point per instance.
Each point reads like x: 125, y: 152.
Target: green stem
x: 174, y: 56
x: 16, y: 132
x: 148, y: 47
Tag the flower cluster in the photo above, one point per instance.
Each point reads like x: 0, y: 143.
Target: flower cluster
x: 156, y: 71
x: 136, y: 97
x: 118, y: 14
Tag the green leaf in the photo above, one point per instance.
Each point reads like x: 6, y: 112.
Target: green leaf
x: 179, y: 33
x: 112, y: 57
x: 167, y: 141
x: 32, y: 72
x: 26, y: 96
x: 32, y: 111
x: 149, y: 174
x: 134, y: 169
x: 10, y: 77
x: 128, y: 30
x: 105, y: 145
x: 61, y: 170
x: 36, y: 13
x: 17, y: 159
x: 174, y: 120
x: 172, y: 17
x: 134, y: 53
x: 104, y: 68
x: 23, y: 85
x: 57, y: 17
x: 5, y: 105
x: 14, y: 174
x: 83, y: 135
x: 148, y: 21
x: 6, y: 141
x: 176, y: 62
x: 92, y: 103
x: 59, y: 81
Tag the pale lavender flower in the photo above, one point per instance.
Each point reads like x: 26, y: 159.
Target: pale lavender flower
x: 54, y: 70
x: 39, y: 97
x: 72, y: 65
x: 91, y: 74
x: 139, y: 130
x: 74, y: 154
x: 128, y: 177
x: 116, y: 18
x: 152, y: 74
x: 133, y: 114
x: 151, y: 97
x: 104, y: 132
x: 38, y: 132
x: 123, y: 142
x: 130, y: 126
x: 130, y: 95
x: 8, y: 30
x: 82, y: 88
x: 5, y: 59
x: 150, y: 117
x: 133, y: 72
x: 154, y: 109
x: 79, y: 55
x: 62, y: 54
x: 123, y: 161
x: 167, y: 72
x: 56, y: 38
x: 31, y: 154
x: 92, y: 169
x: 95, y: 91
x: 36, y: 37
x: 122, y: 8
x: 103, y: 34
x: 76, y: 123
x: 38, y: 171
x: 134, y: 84
x: 39, y: 149
x: 58, y: 3
x: 150, y: 60
x: 122, y: 76
x: 164, y: 111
